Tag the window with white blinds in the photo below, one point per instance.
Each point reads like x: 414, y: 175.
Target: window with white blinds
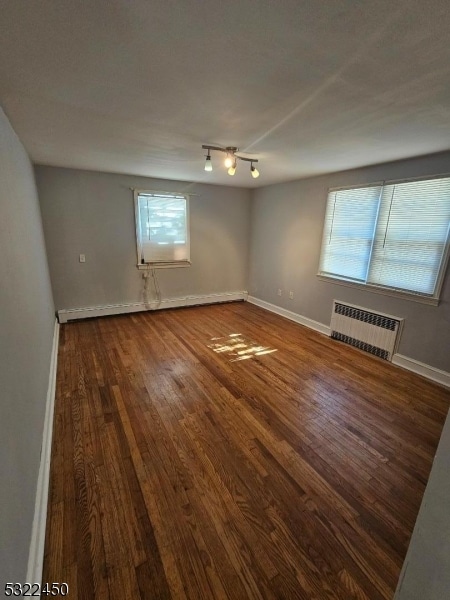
x: 348, y: 233
x: 393, y: 236
x: 162, y: 228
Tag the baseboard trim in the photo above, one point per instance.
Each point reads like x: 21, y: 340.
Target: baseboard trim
x: 442, y: 377
x: 36, y: 553
x: 283, y: 312
x: 427, y: 371
x: 70, y: 314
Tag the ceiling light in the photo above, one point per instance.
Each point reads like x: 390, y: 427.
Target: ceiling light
x: 232, y: 169
x: 208, y: 163
x: 254, y: 171
x: 230, y: 160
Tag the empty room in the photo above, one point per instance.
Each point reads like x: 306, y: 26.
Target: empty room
x: 225, y: 299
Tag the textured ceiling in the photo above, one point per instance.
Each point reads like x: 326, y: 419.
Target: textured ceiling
x: 306, y: 86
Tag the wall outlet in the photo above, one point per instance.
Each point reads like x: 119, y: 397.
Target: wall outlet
x: 291, y: 295
x: 279, y: 292
x: 82, y: 258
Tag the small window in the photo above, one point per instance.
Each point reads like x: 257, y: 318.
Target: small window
x: 391, y: 236
x: 162, y: 229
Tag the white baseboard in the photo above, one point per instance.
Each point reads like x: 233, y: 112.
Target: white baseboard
x: 442, y: 377
x: 70, y: 314
x: 283, y: 312
x: 36, y: 554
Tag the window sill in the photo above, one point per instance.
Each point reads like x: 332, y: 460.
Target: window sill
x: 148, y: 266
x: 381, y: 290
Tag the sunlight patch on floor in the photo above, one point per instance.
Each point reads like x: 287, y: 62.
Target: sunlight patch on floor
x: 238, y: 347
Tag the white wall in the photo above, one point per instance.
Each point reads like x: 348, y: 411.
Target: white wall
x: 286, y: 233
x: 92, y: 213
x: 26, y: 334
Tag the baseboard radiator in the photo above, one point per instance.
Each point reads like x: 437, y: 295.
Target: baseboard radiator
x: 372, y: 332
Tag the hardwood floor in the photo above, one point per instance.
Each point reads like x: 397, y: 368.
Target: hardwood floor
x: 225, y: 452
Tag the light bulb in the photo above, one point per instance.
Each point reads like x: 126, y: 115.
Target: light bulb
x: 208, y: 163
x: 254, y: 171
x: 229, y: 161
x: 232, y: 170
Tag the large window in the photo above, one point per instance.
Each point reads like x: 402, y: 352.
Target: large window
x: 392, y: 236
x: 162, y: 229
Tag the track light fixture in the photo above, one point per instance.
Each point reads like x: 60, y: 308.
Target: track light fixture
x: 208, y: 163
x: 232, y: 169
x: 254, y: 171
x: 230, y: 160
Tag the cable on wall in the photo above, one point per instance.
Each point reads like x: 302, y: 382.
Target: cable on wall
x: 156, y: 284
x: 147, y: 300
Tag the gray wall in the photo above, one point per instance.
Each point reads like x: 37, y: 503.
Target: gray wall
x: 26, y: 333
x: 92, y: 213
x: 286, y: 234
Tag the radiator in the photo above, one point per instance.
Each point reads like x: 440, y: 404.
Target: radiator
x: 369, y: 331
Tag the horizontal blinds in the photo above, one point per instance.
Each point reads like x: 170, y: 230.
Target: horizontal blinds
x: 163, y: 228
x: 411, y: 235
x: 348, y: 232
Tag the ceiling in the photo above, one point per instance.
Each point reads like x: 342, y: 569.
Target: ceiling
x: 307, y: 87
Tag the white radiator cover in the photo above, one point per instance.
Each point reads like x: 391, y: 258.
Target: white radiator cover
x: 373, y: 332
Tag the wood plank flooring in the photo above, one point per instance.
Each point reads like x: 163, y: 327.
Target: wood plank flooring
x: 225, y: 452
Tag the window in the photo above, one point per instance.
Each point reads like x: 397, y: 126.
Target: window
x: 392, y: 236
x: 162, y: 229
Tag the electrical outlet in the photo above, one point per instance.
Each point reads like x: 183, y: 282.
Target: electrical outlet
x: 279, y: 292
x: 291, y: 295
x: 82, y: 258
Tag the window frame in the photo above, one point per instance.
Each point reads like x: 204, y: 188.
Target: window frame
x: 385, y: 290
x: 160, y: 265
